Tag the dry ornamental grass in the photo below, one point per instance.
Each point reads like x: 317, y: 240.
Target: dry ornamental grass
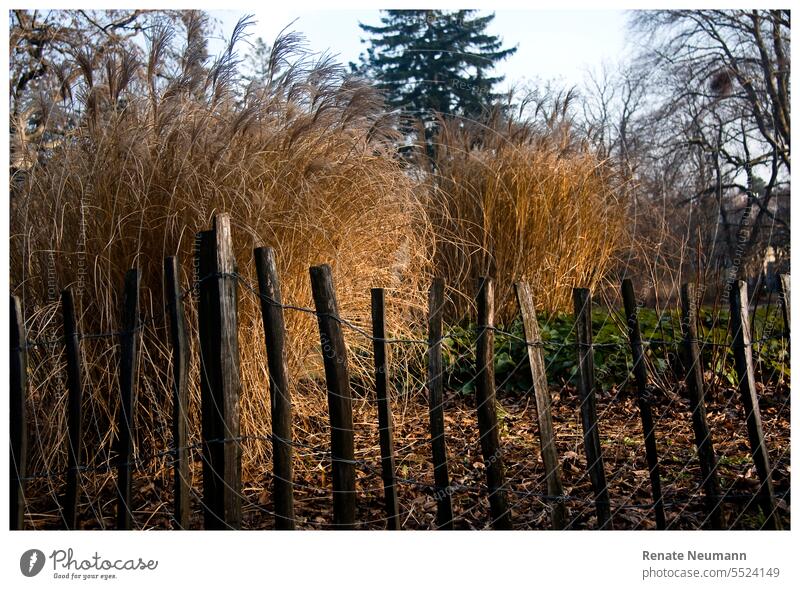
x: 511, y: 200
x: 304, y: 161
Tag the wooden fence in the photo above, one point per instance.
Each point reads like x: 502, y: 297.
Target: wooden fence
x: 217, y: 291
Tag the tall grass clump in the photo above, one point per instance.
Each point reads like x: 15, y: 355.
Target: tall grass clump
x: 511, y: 199
x: 303, y: 160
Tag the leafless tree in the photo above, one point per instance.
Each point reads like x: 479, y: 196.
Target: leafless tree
x: 719, y: 96
x: 48, y: 51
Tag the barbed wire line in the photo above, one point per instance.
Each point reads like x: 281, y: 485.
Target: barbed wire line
x: 350, y: 324
x: 142, y: 323
x: 541, y: 343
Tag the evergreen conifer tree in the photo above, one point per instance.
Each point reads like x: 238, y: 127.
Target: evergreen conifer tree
x: 434, y: 61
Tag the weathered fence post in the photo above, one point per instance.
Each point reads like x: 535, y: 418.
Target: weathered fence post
x: 743, y: 355
x: 127, y: 382
x: 785, y: 298
x: 18, y: 428
x: 702, y: 435
x: 486, y: 406
x: 334, y: 354
x: 269, y: 289
x: 543, y: 404
x: 582, y: 300
x: 219, y: 378
x: 643, y: 397
x: 180, y: 388
x: 385, y: 427
x: 435, y: 385
x: 74, y: 405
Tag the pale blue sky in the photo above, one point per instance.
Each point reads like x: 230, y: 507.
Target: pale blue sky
x: 552, y: 44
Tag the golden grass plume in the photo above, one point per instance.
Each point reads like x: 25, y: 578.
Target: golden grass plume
x: 303, y: 161
x: 511, y: 200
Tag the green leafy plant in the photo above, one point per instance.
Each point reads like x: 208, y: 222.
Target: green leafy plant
x: 612, y: 357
